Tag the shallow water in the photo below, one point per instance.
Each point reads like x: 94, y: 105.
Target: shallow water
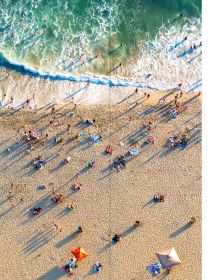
x: 45, y: 32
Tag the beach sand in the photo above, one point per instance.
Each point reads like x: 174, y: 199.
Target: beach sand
x: 109, y: 201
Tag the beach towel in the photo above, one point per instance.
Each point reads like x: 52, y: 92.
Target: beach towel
x: 41, y: 187
x: 83, y: 136
x: 154, y: 268
x: 95, y: 138
x: 134, y: 152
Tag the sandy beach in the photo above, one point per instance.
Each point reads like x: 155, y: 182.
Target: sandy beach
x: 109, y: 201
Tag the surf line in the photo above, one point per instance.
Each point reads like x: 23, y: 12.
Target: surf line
x: 29, y: 71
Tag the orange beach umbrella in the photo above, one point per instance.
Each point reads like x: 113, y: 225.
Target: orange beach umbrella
x: 168, y: 258
x: 79, y: 253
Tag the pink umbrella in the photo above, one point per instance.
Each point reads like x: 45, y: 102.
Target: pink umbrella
x: 168, y: 258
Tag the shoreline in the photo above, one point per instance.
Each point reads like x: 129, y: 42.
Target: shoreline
x: 16, y: 89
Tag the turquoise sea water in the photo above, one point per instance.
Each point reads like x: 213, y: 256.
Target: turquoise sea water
x: 54, y: 34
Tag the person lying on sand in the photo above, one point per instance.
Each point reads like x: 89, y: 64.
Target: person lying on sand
x: 89, y: 121
x: 66, y: 160
x: 77, y: 187
x: 149, y: 139
x: 119, y: 163
x: 109, y: 150
x: 58, y: 140
x: 57, y: 197
x: 174, y: 141
x: 38, y: 163
x: 150, y: 126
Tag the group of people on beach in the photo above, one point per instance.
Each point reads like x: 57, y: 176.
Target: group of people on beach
x: 33, y: 137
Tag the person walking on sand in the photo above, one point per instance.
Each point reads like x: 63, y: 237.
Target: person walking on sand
x: 79, y: 229
x: 97, y: 267
x: 193, y: 220
x: 137, y: 223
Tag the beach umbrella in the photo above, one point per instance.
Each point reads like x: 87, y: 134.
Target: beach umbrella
x: 168, y: 258
x: 79, y: 253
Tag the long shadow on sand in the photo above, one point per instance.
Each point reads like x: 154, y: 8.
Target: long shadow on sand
x: 150, y: 202
x: 67, y: 239
x: 39, y: 240
x: 180, y: 230
x: 45, y: 203
x: 106, y: 247
x: 128, y: 231
x: 55, y: 273
x: 162, y: 276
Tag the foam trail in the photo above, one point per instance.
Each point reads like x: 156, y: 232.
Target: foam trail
x: 28, y: 71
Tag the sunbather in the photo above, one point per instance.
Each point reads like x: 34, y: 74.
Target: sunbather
x: 59, y: 140
x: 150, y: 139
x: 77, y: 187
x: 57, y: 197
x: 108, y: 150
